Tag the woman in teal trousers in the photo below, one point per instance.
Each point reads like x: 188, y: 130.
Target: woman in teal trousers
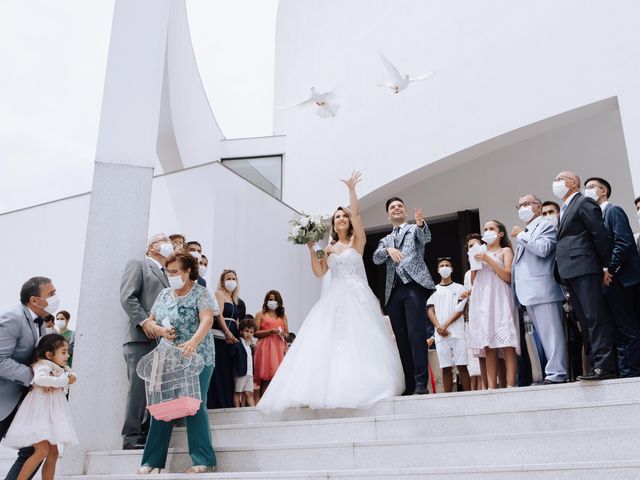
x: 190, y: 309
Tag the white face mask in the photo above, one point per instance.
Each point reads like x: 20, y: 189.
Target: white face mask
x: 203, y: 270
x: 591, y: 193
x: 552, y: 219
x: 176, y: 282
x: 272, y: 304
x: 525, y: 214
x: 230, y: 285
x: 445, y: 272
x: 166, y: 249
x: 60, y: 324
x: 559, y: 189
x: 52, y: 304
x: 638, y: 215
x: 489, y: 237
x: 196, y: 254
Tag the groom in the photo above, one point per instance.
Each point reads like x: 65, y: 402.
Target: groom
x: 407, y: 289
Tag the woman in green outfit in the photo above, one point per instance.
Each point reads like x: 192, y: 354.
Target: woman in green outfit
x: 190, y: 309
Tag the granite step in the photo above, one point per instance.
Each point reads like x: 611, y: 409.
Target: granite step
x: 618, y: 470
x: 489, y: 449
x: 542, y: 397
x: 532, y: 419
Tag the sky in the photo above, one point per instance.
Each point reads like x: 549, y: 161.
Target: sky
x: 53, y: 57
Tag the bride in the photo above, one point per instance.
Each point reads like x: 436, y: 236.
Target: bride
x: 344, y: 355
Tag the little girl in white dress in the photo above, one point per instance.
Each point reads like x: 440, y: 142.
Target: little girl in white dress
x: 44, y: 418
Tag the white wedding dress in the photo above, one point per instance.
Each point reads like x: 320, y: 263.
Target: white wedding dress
x: 344, y: 355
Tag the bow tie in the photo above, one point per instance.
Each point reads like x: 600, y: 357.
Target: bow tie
x: 39, y: 321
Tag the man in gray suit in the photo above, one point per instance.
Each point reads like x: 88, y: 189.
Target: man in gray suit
x: 535, y: 286
x: 142, y: 281
x: 408, y: 286
x: 20, y: 329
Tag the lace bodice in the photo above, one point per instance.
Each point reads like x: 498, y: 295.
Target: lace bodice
x: 347, y: 265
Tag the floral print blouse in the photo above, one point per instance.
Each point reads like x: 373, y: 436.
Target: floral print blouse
x: 183, y: 313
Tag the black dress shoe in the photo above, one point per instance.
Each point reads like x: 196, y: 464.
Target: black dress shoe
x: 597, y: 374
x: 551, y: 382
x: 420, y: 391
x: 133, y: 446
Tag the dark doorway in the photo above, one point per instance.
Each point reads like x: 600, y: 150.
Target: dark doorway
x: 447, y: 240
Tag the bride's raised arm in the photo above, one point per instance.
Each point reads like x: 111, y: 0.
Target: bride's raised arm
x: 359, y: 236
x: 318, y: 265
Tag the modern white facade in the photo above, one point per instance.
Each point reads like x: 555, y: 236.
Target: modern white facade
x: 506, y: 73
x: 519, y: 94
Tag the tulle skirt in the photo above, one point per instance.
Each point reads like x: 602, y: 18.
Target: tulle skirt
x: 343, y: 356
x: 43, y: 415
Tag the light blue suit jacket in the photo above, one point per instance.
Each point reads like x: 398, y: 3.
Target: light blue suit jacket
x: 18, y: 339
x: 532, y: 270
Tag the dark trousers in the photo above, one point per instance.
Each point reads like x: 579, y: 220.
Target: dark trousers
x: 622, y: 303
x: 23, y: 453
x: 136, y: 421
x: 597, y: 327
x: 407, y: 309
x: 220, y: 394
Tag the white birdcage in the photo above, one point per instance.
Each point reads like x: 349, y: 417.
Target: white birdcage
x: 172, y: 382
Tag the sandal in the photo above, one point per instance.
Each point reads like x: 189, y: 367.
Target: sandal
x: 199, y: 469
x: 147, y: 469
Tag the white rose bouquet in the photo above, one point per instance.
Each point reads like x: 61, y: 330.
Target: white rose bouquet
x: 306, y: 228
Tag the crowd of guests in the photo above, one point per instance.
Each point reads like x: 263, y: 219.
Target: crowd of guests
x: 572, y: 269
x: 165, y: 296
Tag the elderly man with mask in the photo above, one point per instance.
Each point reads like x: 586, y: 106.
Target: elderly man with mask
x: 583, y: 254
x: 20, y: 330
x: 535, y: 286
x: 622, y: 279
x: 142, y: 281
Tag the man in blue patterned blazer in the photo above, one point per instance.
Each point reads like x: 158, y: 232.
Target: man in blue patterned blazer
x: 408, y: 286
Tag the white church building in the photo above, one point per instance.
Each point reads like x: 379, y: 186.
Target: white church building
x: 521, y: 91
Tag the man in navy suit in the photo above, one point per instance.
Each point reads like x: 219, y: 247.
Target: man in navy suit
x: 622, y: 279
x: 583, y: 254
x: 636, y: 202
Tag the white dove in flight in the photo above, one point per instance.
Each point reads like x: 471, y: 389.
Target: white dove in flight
x: 397, y: 81
x: 325, y: 102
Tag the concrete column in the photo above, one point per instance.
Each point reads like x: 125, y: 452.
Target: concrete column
x: 117, y: 228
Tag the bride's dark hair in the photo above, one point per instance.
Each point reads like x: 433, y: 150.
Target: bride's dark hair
x: 334, y: 234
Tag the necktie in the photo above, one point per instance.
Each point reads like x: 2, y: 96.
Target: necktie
x: 39, y: 321
x: 562, y: 209
x: 396, y: 234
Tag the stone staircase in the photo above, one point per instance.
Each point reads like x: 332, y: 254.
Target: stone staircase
x: 579, y: 430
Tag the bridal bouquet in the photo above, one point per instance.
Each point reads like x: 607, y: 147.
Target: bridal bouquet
x: 307, y: 228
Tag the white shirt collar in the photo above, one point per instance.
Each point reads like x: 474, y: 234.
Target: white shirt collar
x: 33, y: 315
x: 156, y: 262
x: 604, y: 204
x: 566, y: 202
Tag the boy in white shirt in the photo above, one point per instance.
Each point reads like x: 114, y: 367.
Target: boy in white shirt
x: 451, y: 342
x: 242, y: 353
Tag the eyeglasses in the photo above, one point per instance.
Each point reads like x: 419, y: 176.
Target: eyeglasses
x: 562, y: 177
x: 526, y: 204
